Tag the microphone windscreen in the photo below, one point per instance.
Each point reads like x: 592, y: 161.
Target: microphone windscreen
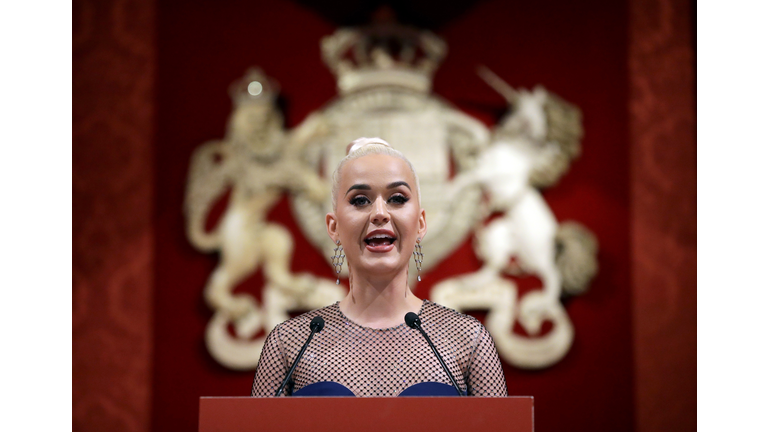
x: 412, y: 320
x: 317, y: 324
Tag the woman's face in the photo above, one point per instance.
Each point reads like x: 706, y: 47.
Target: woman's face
x: 378, y: 217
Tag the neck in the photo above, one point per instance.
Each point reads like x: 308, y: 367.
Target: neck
x: 379, y: 303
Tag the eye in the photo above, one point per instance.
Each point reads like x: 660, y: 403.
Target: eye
x: 398, y: 199
x: 359, y: 201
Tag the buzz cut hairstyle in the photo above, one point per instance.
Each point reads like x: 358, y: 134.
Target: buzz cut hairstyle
x: 364, y: 147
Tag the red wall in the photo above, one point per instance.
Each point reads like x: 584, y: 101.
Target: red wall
x: 663, y: 214
x: 113, y: 115
x: 594, y: 54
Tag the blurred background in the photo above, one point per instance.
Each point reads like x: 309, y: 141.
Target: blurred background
x: 150, y: 82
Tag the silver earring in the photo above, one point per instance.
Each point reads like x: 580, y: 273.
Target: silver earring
x: 338, y: 259
x: 418, y: 257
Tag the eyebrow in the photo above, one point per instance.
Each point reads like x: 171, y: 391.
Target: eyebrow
x: 359, y: 187
x: 392, y: 185
x: 398, y: 183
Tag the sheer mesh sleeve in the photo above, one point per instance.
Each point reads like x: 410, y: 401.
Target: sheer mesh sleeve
x: 485, y: 377
x: 272, y: 366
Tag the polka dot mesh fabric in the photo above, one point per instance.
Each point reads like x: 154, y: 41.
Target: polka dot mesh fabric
x: 382, y: 362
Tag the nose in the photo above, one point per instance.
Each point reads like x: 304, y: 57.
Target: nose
x: 379, y: 213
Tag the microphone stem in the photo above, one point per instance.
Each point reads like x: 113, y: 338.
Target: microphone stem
x: 442, y: 363
x: 296, y: 362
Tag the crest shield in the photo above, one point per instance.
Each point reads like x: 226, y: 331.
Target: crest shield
x: 466, y: 172
x: 425, y: 130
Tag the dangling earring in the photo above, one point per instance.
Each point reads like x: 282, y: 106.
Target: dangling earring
x: 418, y: 257
x: 338, y: 259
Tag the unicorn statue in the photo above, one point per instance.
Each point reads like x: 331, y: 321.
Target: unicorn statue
x: 531, y: 148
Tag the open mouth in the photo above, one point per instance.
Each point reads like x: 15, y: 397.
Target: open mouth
x: 379, y: 240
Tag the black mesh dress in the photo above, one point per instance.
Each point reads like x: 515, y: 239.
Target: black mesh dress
x: 382, y: 362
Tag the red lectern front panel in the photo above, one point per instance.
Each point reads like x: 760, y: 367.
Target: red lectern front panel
x: 241, y: 414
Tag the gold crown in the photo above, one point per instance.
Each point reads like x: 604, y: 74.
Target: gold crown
x: 383, y: 55
x: 254, y: 86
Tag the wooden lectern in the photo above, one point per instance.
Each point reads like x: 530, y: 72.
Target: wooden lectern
x: 316, y: 414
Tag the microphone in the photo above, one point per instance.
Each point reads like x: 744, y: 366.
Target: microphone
x: 315, y: 326
x: 413, y: 321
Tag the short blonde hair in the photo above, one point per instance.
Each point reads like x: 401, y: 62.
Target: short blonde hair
x: 364, y: 147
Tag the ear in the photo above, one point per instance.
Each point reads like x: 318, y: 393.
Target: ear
x: 422, y: 224
x: 332, y: 226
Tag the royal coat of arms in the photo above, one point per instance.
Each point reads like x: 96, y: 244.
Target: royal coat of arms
x: 384, y: 76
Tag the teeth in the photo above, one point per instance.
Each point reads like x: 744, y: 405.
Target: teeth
x: 380, y: 236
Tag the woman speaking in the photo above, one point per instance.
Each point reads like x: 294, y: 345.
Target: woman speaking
x: 365, y: 346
